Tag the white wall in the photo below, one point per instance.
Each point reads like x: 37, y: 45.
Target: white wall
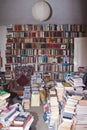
x: 80, y: 52
x: 3, y: 45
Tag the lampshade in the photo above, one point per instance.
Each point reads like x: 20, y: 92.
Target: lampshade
x: 41, y: 10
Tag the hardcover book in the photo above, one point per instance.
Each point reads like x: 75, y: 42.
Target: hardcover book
x: 25, y: 126
x: 21, y: 118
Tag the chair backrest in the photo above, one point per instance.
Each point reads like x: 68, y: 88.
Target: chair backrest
x: 23, y: 74
x: 26, y: 70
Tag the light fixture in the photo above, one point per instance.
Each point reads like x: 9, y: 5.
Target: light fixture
x: 41, y: 10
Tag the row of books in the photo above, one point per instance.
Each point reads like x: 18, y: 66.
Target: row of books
x: 44, y: 34
x: 30, y: 45
x: 44, y: 39
x: 40, y: 59
x: 38, y: 46
x: 59, y: 27
x: 54, y: 75
x: 57, y: 76
x: 33, y: 52
x: 54, y: 68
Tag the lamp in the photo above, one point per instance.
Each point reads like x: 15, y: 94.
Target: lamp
x: 41, y: 10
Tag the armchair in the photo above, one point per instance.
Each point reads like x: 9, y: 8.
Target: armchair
x: 22, y: 78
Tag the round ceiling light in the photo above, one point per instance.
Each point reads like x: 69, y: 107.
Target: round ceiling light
x: 41, y: 10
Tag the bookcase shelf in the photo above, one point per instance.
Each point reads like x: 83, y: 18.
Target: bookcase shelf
x: 49, y: 48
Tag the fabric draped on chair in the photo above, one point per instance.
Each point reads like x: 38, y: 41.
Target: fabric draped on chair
x: 22, y: 77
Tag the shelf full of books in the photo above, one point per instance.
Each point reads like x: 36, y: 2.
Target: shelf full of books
x: 49, y: 48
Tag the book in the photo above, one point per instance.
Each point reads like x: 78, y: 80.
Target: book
x: 27, y: 124
x: 83, y: 102
x: 65, y: 126
x: 2, y: 102
x: 67, y: 115
x: 21, y: 118
x: 4, y: 95
x: 81, y: 127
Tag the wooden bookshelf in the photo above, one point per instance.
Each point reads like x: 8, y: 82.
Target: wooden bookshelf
x: 49, y: 48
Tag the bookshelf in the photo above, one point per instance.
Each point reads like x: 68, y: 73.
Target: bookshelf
x: 49, y: 48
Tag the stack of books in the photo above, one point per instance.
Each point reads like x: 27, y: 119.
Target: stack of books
x: 35, y: 85
x: 35, y: 100
x: 76, y: 81
x: 81, y: 116
x: 15, y: 118
x: 3, y: 99
x: 60, y: 91
x: 9, y: 113
x: 53, y: 115
x: 26, y: 97
x: 68, y: 87
x: 65, y: 126
x: 69, y: 112
x: 36, y: 78
x: 26, y: 104
x: 8, y: 76
x: 22, y: 122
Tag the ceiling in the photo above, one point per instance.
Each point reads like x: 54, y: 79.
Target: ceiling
x: 63, y: 12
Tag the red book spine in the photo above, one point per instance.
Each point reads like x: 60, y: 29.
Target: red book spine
x: 28, y: 119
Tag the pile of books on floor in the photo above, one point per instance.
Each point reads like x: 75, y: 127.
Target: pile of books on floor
x: 81, y: 117
x: 22, y: 122
x: 53, y: 115
x: 76, y: 81
x: 35, y: 86
x: 14, y: 118
x: 69, y: 112
x: 3, y: 99
x: 8, y: 75
x: 36, y: 78
x: 60, y: 91
x: 26, y: 97
x: 67, y: 86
